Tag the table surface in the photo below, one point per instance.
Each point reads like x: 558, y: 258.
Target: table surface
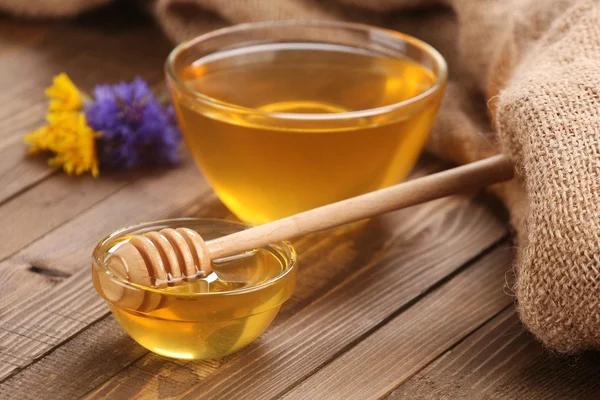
x: 410, y: 305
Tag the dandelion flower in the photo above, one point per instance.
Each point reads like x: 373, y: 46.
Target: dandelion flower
x: 74, y: 146
x: 38, y: 140
x: 70, y: 139
x: 64, y: 95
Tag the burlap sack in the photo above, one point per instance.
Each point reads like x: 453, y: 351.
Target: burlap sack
x: 531, y: 66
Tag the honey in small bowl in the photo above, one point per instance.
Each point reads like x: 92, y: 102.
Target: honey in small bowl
x: 283, y: 117
x: 199, y: 317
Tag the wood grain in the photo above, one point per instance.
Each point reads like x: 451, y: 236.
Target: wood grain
x: 32, y: 324
x: 36, y: 201
x: 67, y: 249
x: 423, y: 251
x: 502, y: 361
x: 419, y: 227
x: 105, y: 337
x: 416, y: 337
x: 47, y: 206
x: 90, y: 363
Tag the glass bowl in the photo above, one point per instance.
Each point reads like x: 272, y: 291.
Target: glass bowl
x: 199, y: 318
x: 286, y: 116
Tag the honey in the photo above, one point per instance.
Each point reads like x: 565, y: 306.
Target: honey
x: 201, y: 318
x: 280, y: 128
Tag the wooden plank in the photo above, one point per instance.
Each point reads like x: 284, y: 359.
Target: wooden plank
x: 416, y: 337
x: 105, y: 337
x: 502, y: 361
x: 423, y: 246
x: 23, y: 101
x: 67, y: 249
x: 106, y: 355
x: 78, y: 51
x: 47, y: 206
x: 94, y: 356
x: 53, y: 316
x: 41, y: 51
x: 331, y: 264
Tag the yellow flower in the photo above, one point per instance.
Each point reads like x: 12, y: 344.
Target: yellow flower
x: 71, y: 140
x: 64, y: 95
x: 38, y: 140
x: 67, y: 134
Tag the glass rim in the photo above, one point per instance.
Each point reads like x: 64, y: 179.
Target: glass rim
x: 438, y: 85
x: 291, y: 258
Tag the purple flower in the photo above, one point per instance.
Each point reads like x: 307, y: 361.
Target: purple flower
x: 134, y: 128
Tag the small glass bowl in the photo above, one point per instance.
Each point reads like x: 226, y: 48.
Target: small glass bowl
x: 199, y: 319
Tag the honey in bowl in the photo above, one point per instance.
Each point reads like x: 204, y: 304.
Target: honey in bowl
x: 199, y: 317
x: 280, y: 128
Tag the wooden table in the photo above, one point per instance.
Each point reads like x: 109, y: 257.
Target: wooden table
x: 409, y: 306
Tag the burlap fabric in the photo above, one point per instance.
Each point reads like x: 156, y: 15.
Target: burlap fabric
x: 530, y: 67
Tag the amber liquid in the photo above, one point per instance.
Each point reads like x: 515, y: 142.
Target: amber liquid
x: 211, y: 317
x: 266, y: 166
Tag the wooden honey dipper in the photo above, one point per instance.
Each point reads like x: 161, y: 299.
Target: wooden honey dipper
x: 156, y: 258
